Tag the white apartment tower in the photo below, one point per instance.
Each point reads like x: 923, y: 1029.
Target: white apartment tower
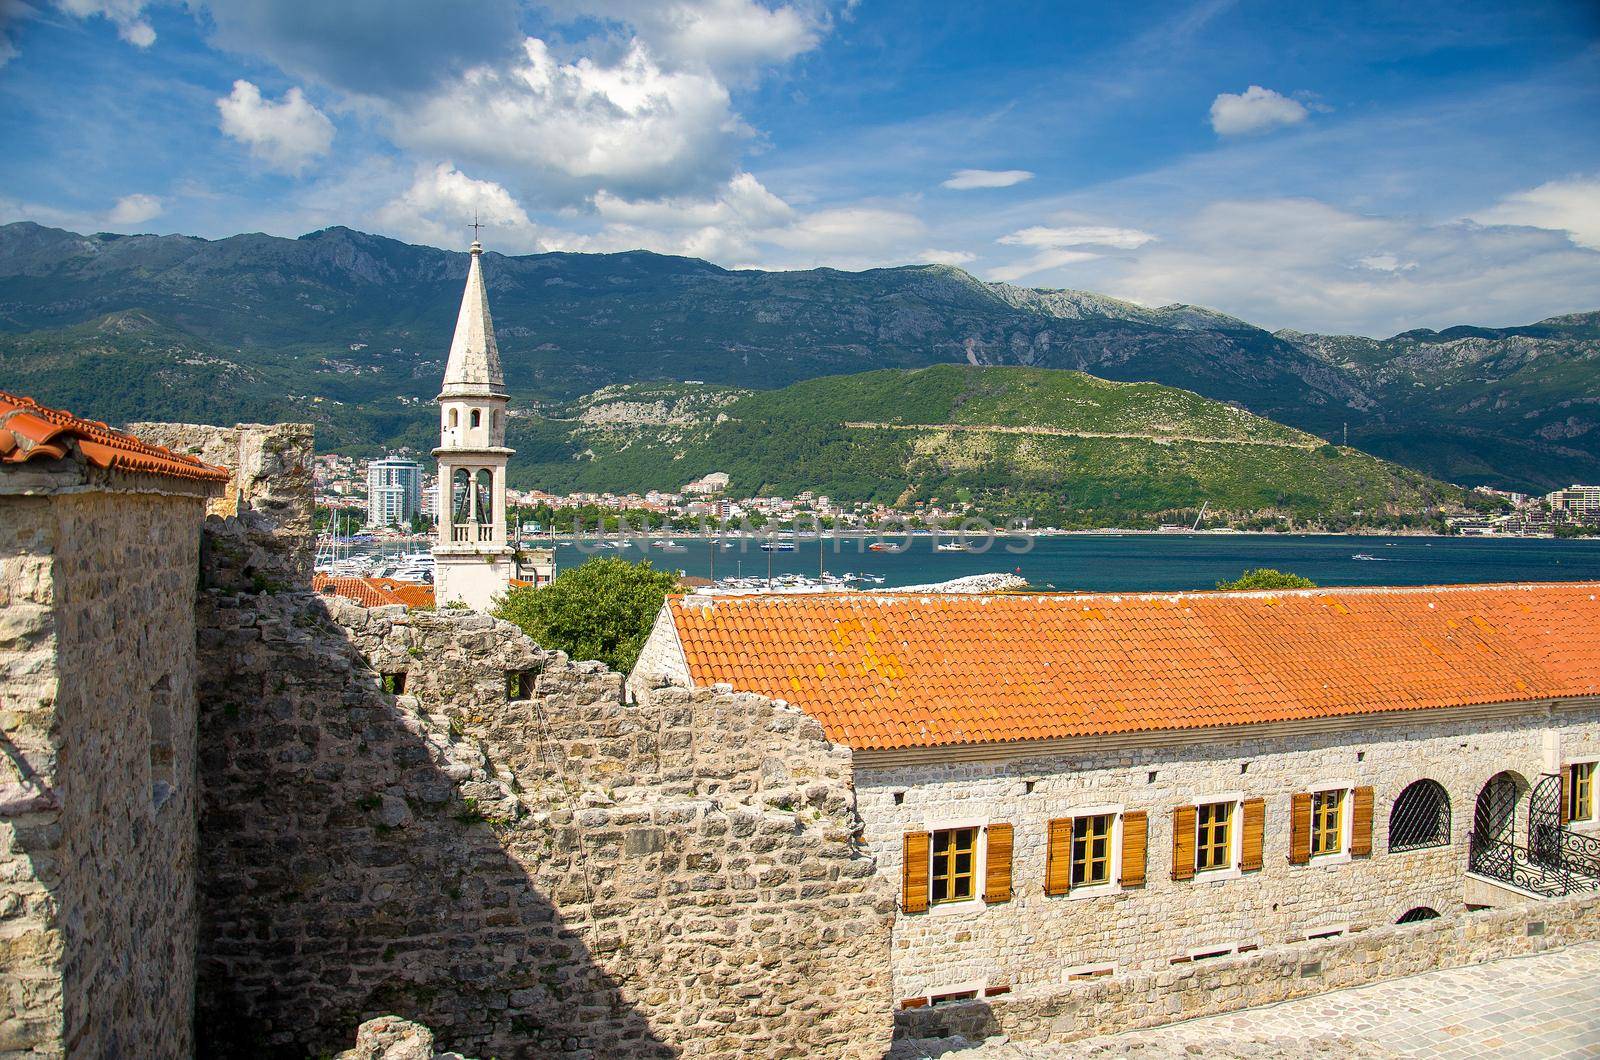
x: 472, y: 562
x: 394, y: 491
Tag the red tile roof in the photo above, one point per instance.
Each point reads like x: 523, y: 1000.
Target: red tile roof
x: 886, y: 671
x: 375, y: 592
x: 30, y: 431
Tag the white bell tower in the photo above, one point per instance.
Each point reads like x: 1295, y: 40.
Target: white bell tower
x: 472, y: 562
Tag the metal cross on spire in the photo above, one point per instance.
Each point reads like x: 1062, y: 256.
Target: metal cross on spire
x: 475, y: 225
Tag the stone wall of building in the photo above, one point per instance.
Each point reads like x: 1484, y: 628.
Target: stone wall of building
x: 1034, y: 942
x: 509, y: 853
x: 98, y: 795
x: 1280, y: 973
x: 259, y: 535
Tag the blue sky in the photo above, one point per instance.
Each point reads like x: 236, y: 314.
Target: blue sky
x: 1356, y: 167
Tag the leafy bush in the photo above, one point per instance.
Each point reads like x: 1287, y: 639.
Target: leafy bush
x: 1268, y: 578
x: 601, y: 609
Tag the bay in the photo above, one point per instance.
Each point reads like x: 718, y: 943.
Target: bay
x: 1144, y: 562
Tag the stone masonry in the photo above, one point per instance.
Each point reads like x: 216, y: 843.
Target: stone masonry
x: 1034, y: 941
x: 423, y: 814
x: 98, y: 797
x: 260, y: 536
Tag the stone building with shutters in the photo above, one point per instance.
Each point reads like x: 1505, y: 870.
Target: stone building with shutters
x: 1071, y: 789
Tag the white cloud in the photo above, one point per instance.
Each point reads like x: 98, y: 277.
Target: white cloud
x: 1570, y: 206
x: 442, y: 201
x: 1256, y: 109
x: 378, y: 48
x: 134, y: 209
x: 285, y: 135
x: 946, y: 257
x: 1077, y: 236
x: 1040, y: 262
x: 731, y: 37
x: 1059, y: 246
x: 1312, y: 266
x: 967, y: 179
x: 747, y: 226
x: 1385, y: 263
x: 126, y: 15
x: 566, y: 130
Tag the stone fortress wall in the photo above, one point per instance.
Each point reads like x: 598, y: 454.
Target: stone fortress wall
x: 506, y: 850
x: 98, y: 787
x: 1034, y: 940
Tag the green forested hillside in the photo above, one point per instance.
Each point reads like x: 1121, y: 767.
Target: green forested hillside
x: 1062, y: 447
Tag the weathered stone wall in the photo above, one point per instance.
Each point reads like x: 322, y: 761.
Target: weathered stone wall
x: 97, y: 784
x: 1145, y: 999
x: 1034, y: 941
x: 259, y: 535
x: 566, y: 875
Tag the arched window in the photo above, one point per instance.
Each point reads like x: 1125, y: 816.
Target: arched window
x: 485, y: 491
x: 461, y: 495
x: 1420, y: 818
x: 454, y: 418
x: 497, y: 419
x: 477, y: 418
x: 1418, y: 915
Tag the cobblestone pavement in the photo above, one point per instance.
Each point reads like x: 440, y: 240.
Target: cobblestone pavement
x: 1544, y: 1006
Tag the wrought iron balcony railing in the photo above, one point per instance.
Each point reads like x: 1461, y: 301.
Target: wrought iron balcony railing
x: 1506, y: 862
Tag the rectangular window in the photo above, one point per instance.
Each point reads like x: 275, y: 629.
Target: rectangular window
x: 1580, y: 791
x: 955, y: 852
x: 1214, y: 849
x: 1091, y: 850
x: 1327, y: 822
x: 519, y: 685
x: 394, y: 684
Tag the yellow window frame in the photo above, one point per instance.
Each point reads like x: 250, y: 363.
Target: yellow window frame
x: 1091, y: 849
x: 954, y: 874
x: 1580, y: 791
x: 1213, y: 847
x: 1327, y: 822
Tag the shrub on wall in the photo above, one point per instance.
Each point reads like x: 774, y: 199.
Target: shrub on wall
x: 601, y: 609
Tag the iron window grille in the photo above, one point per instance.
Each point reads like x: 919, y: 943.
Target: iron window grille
x: 1420, y: 818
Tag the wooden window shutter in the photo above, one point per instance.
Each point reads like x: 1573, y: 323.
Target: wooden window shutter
x: 1058, y: 857
x: 1361, y: 822
x: 1566, y: 794
x: 1300, y: 828
x: 997, y: 865
x: 1135, y: 832
x: 1183, y: 826
x: 1254, y: 812
x: 914, y: 874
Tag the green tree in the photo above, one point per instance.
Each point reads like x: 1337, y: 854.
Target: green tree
x: 601, y: 609
x: 1268, y: 578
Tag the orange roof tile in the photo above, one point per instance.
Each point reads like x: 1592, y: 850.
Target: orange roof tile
x: 880, y: 670
x: 375, y: 592
x: 31, y: 431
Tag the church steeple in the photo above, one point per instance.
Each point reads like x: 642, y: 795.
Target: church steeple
x: 473, y: 369
x: 472, y: 562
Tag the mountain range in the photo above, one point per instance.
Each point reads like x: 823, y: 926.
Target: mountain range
x: 349, y: 330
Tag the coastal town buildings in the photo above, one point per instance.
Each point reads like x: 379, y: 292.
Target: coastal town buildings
x: 1578, y: 503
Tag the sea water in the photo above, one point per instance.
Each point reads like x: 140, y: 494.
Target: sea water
x: 1141, y: 562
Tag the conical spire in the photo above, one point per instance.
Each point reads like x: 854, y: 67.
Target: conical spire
x: 474, y: 366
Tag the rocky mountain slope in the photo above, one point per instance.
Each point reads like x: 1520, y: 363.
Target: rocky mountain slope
x: 349, y: 330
